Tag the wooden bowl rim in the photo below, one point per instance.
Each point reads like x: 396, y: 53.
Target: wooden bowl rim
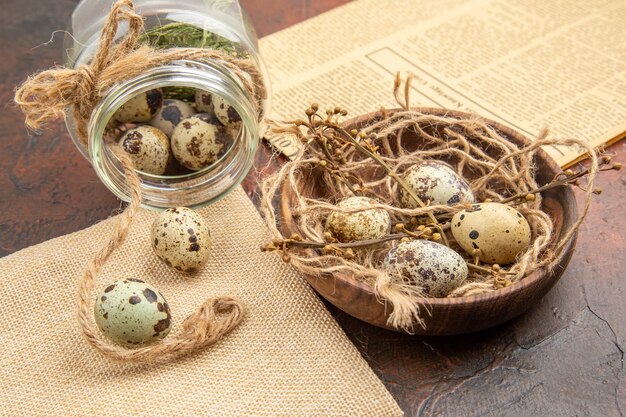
x: 476, y: 298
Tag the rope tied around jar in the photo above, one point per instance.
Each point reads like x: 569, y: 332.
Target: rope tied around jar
x: 46, y: 96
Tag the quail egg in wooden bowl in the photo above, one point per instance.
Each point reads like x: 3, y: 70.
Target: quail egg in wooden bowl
x: 479, y: 233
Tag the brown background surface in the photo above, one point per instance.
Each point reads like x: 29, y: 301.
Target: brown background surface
x: 564, y: 357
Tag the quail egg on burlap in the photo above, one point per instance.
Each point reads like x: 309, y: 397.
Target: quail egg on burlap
x: 196, y: 144
x: 204, y: 101
x: 365, y: 224
x: 435, y: 182
x: 140, y: 108
x: 148, y: 147
x: 497, y: 232
x: 131, y: 312
x: 170, y: 114
x: 225, y: 112
x: 181, y: 238
x: 436, y: 268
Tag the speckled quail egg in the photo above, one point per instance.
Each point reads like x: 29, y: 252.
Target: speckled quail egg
x: 437, y: 269
x: 204, y: 102
x: 197, y: 144
x: 181, y: 238
x: 148, y: 147
x: 366, y: 224
x: 131, y: 312
x: 435, y: 182
x: 208, y: 117
x: 170, y: 114
x: 140, y: 108
x: 231, y: 131
x: 225, y: 112
x: 499, y: 232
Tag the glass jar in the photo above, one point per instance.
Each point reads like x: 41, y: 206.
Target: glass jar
x: 213, y: 24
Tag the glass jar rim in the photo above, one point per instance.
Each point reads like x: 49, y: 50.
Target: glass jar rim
x: 209, y: 76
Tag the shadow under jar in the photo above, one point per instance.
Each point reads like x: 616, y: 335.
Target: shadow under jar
x: 216, y: 25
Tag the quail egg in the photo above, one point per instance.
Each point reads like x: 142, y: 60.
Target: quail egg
x: 209, y: 117
x: 231, y: 132
x: 148, y: 147
x: 496, y: 231
x: 170, y: 114
x: 437, y: 269
x: 131, y: 312
x: 204, y: 102
x: 197, y: 144
x: 225, y: 112
x: 435, y: 182
x: 365, y: 224
x: 181, y: 238
x: 140, y: 108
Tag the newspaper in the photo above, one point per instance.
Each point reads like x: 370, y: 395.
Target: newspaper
x: 528, y: 64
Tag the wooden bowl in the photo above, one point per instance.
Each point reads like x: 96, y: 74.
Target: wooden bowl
x: 454, y: 315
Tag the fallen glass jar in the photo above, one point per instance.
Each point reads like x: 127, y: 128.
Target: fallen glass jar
x: 205, y: 86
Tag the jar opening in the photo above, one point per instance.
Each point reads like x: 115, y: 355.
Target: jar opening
x: 211, y: 151
x: 173, y: 138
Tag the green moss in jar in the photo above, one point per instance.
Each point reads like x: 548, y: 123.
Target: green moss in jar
x: 177, y: 35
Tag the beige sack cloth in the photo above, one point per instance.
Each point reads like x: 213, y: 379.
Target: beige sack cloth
x: 288, y: 357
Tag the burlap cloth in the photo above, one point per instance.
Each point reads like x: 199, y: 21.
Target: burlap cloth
x: 288, y: 357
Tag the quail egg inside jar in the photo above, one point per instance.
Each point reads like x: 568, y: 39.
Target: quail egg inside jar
x: 222, y: 113
x: 147, y: 146
x: 199, y: 157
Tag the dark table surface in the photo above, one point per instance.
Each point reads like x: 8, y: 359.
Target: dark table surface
x: 564, y: 357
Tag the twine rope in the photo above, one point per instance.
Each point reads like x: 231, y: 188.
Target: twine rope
x: 213, y: 319
x: 506, y: 170
x: 46, y: 95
